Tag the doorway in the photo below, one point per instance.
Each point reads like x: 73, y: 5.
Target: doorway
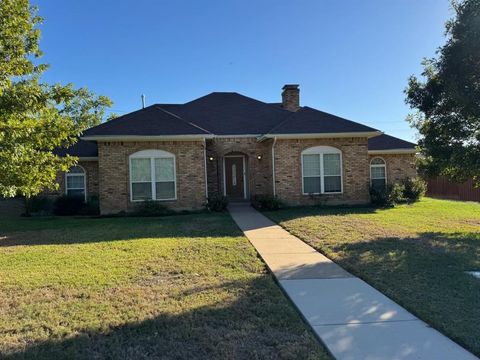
x: 234, y: 176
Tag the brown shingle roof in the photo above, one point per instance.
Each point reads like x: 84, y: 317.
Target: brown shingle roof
x: 228, y: 113
x: 81, y: 149
x: 153, y: 120
x: 387, y: 142
x: 308, y: 120
x: 222, y: 113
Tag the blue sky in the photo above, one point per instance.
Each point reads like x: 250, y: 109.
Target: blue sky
x: 351, y: 58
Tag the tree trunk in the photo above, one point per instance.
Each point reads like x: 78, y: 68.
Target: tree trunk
x: 27, y: 206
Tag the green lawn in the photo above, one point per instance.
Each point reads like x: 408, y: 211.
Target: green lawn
x: 187, y: 286
x: 415, y: 254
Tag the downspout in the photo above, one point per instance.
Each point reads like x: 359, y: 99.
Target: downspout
x: 273, y: 165
x: 205, y: 161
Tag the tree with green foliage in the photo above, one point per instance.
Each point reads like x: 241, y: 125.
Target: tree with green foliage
x: 448, y: 100
x: 35, y: 117
x: 112, y: 116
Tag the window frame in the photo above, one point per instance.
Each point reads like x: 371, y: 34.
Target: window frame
x: 384, y: 165
x: 321, y: 151
x: 84, y: 174
x: 152, y: 155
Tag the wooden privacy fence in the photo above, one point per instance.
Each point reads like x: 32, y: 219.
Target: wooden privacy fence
x: 441, y: 187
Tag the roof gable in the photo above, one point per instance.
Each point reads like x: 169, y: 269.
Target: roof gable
x: 224, y: 113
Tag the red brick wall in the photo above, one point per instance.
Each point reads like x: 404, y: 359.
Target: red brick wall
x: 109, y: 177
x: 258, y: 172
x: 91, y: 171
x: 399, y: 166
x: 114, y: 174
x: 288, y: 171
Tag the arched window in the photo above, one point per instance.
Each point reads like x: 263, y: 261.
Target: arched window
x: 75, y: 182
x: 321, y: 170
x: 378, y: 173
x: 152, y: 176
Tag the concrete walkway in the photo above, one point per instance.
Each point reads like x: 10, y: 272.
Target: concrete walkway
x: 351, y: 318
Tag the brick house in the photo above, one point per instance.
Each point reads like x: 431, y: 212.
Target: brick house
x: 227, y: 143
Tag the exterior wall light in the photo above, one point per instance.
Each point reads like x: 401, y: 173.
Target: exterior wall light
x: 210, y: 158
x: 259, y: 157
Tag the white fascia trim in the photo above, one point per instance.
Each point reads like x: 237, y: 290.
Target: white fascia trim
x: 392, y: 151
x: 146, y: 138
x: 367, y: 134
x: 237, y: 136
x: 88, y: 158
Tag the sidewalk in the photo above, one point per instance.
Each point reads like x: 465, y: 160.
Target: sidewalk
x: 351, y: 318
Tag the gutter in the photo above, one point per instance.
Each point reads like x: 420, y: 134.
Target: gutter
x: 367, y: 134
x: 273, y: 166
x: 162, y: 137
x: 145, y: 137
x: 260, y: 138
x: 205, y: 163
x: 392, y: 151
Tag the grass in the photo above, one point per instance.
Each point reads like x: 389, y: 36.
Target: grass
x: 186, y: 286
x: 415, y: 254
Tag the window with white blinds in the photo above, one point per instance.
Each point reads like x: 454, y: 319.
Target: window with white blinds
x: 321, y: 170
x: 76, y: 182
x: 378, y: 173
x: 152, y: 175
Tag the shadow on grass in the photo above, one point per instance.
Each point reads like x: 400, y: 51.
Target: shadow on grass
x: 425, y: 274
x: 258, y: 324
x: 422, y: 271
x: 296, y: 212
x: 55, y: 231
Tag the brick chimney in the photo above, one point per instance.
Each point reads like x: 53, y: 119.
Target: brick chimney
x: 291, y: 97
